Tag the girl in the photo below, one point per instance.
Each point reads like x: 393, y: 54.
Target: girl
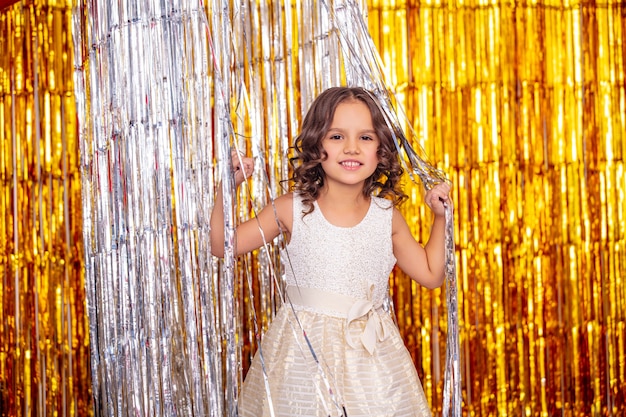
x: 332, y: 349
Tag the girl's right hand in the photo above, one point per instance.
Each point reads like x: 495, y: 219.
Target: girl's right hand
x: 238, y: 162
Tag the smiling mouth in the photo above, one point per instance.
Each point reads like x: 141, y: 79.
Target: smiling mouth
x: 350, y: 164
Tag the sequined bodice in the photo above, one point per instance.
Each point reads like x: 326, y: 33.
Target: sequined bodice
x: 343, y: 260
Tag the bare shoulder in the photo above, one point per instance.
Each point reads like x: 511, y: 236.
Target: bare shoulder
x: 398, y: 216
x: 399, y: 224
x: 284, y: 210
x: 284, y: 200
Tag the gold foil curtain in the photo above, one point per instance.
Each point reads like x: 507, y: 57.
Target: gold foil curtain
x: 44, y: 340
x: 521, y: 104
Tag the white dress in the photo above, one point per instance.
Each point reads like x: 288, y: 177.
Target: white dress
x: 332, y: 350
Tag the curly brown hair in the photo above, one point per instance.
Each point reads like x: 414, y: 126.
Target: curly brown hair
x: 308, y: 176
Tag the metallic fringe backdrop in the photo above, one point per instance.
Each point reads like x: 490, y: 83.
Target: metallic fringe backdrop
x: 522, y: 105
x: 44, y: 339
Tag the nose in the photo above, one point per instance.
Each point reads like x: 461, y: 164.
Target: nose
x: 351, y: 146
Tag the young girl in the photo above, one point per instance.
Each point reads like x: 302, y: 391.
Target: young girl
x: 332, y: 349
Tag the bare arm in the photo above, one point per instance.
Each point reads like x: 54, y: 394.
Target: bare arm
x: 252, y: 233
x: 424, y: 264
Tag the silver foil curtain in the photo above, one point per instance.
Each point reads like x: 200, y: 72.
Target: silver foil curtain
x: 146, y: 123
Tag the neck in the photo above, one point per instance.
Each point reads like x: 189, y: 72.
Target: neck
x: 342, y: 195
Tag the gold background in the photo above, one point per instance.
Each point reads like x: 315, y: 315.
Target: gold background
x: 521, y: 104
x: 44, y: 338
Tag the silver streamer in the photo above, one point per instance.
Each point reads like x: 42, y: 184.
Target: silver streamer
x: 165, y: 90
x: 145, y: 123
x: 452, y: 396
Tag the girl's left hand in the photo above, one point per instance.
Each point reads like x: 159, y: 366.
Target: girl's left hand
x: 437, y: 196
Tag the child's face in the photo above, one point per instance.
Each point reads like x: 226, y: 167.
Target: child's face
x: 351, y: 144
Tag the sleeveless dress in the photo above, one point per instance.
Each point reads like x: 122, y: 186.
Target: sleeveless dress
x: 332, y: 349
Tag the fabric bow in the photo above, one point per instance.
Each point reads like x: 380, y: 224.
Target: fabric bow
x: 373, y: 331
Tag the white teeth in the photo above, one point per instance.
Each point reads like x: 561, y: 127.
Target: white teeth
x: 350, y: 164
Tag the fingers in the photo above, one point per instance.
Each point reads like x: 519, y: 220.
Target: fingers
x: 243, y: 166
x: 437, y: 196
x: 441, y: 192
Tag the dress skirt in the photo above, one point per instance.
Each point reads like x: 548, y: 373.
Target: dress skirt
x: 327, y: 376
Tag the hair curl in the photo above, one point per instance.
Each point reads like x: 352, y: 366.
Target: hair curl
x: 308, y: 176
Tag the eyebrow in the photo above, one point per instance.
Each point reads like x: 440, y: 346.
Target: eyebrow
x: 338, y: 129
x: 372, y: 131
